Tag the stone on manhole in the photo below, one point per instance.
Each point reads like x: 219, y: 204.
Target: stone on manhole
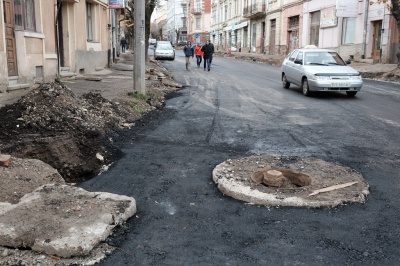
x: 290, y: 181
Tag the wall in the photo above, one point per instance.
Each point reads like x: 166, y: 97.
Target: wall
x: 87, y: 61
x: 3, y: 57
x: 291, y: 10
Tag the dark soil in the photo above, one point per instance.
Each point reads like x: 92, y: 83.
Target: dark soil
x: 72, y: 134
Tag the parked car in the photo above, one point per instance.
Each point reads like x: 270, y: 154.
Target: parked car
x: 152, y: 41
x: 320, y: 70
x: 164, y: 50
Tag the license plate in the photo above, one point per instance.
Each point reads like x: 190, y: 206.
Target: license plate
x: 340, y: 85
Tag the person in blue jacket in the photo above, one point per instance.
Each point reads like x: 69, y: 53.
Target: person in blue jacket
x: 189, y: 52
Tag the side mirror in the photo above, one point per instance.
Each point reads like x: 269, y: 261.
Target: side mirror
x: 348, y: 62
x: 298, y: 61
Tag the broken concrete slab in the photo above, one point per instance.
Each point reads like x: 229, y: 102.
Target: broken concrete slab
x: 90, y: 78
x: 5, y: 160
x: 171, y: 83
x: 63, y: 220
x: 23, y: 176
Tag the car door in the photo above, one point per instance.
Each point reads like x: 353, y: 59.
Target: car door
x: 289, y: 66
x: 298, y: 69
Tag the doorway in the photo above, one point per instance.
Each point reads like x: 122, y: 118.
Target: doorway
x: 60, y: 36
x: 262, y: 37
x: 10, y: 38
x: 272, y: 37
x: 376, y: 40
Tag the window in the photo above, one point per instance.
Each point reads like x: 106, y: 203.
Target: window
x: 293, y: 56
x: 314, y: 28
x: 198, y: 24
x: 299, y: 57
x: 89, y: 25
x: 254, y: 35
x: 24, y: 14
x: 294, y: 22
x: 198, y: 6
x: 214, y: 17
x: 349, y: 30
x: 184, y: 22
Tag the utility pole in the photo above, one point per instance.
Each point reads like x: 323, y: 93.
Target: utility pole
x: 139, y: 53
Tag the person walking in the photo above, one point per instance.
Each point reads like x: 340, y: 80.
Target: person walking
x: 199, y: 54
x: 123, y: 44
x: 211, y: 57
x: 189, y: 52
x: 208, y: 50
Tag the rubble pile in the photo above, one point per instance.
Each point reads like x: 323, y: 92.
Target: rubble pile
x: 55, y: 108
x: 70, y: 133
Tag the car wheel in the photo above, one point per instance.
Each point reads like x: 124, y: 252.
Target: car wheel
x: 285, y: 83
x: 351, y: 93
x: 306, y: 89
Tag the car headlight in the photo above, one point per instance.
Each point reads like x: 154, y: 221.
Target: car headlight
x: 316, y: 77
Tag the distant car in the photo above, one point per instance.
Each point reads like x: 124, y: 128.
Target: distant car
x: 320, y: 70
x: 152, y: 41
x: 164, y: 50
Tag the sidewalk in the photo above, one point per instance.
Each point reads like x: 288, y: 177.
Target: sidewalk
x: 121, y: 72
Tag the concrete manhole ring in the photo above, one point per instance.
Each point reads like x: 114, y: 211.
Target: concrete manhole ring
x: 276, y: 180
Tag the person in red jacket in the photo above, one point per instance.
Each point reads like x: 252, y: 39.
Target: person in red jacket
x: 199, y: 54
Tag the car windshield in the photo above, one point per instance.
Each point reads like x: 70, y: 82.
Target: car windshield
x: 323, y: 59
x: 164, y: 47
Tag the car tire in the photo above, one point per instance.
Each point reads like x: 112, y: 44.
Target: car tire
x: 305, y: 87
x: 285, y: 83
x: 351, y: 93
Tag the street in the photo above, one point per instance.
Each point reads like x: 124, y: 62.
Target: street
x: 239, y: 109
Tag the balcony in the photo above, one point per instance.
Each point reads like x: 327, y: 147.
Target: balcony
x: 196, y: 11
x: 254, y: 11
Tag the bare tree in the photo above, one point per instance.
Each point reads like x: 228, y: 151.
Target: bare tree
x: 178, y: 34
x: 149, y: 8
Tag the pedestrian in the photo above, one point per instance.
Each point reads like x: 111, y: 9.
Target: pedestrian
x: 208, y: 50
x: 211, y: 57
x: 189, y: 52
x: 199, y: 54
x: 123, y: 44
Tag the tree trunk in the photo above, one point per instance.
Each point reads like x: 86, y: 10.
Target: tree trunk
x: 396, y: 14
x: 150, y: 5
x: 149, y: 8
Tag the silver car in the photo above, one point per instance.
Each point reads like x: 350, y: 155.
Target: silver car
x: 164, y: 50
x: 320, y: 70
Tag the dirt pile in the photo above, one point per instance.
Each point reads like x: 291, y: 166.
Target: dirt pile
x: 72, y: 134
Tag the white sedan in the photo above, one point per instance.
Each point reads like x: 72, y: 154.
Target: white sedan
x: 320, y: 70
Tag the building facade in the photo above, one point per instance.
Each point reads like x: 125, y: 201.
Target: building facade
x: 199, y: 24
x: 357, y: 29
x: 177, y: 21
x: 39, y: 40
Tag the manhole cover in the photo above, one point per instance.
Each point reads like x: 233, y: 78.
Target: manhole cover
x: 290, y: 181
